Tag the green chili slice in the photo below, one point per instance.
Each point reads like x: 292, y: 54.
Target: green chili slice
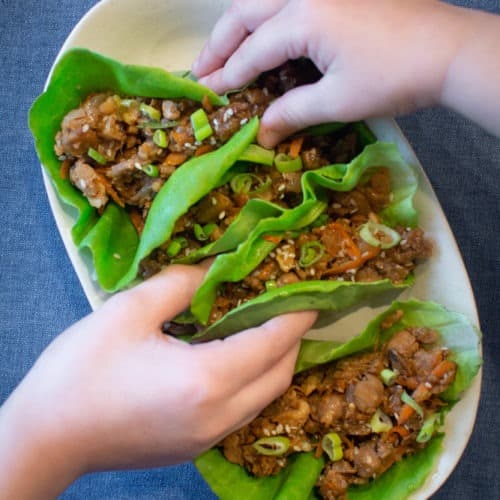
x: 286, y: 164
x: 258, y: 154
x: 379, y: 235
x: 380, y: 422
x: 332, y: 446
x: 428, y: 428
x: 96, y: 156
x: 388, y: 376
x: 201, y: 125
x: 406, y: 398
x: 272, y: 446
x: 310, y: 253
x: 243, y: 183
x: 149, y: 111
x: 160, y: 138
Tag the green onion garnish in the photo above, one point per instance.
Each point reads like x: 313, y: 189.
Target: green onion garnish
x: 151, y: 170
x: 242, y: 184
x: 202, y: 233
x: 430, y: 425
x: 96, y: 156
x: 176, y: 245
x: 147, y: 110
x: 310, y: 253
x: 201, y: 125
x: 406, y: 398
x: 332, y: 445
x: 258, y: 154
x: 379, y: 235
x: 162, y: 124
x: 272, y: 446
x: 271, y: 285
x: 160, y: 138
x: 388, y: 376
x: 380, y: 422
x: 286, y: 164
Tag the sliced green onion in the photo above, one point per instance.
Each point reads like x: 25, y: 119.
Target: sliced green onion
x: 271, y: 285
x: 96, y: 156
x: 160, y: 138
x: 332, y: 445
x: 310, y: 253
x: 388, y: 376
x: 162, y: 124
x: 151, y: 170
x: 406, y: 398
x: 379, y: 235
x: 148, y: 110
x: 201, y: 125
x: 430, y: 426
x: 242, y: 184
x: 258, y: 154
x: 176, y: 245
x: 380, y: 422
x: 286, y: 164
x: 272, y: 446
x: 202, y: 233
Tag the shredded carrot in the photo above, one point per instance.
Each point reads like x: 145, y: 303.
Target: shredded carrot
x: 404, y: 415
x: 207, y: 105
x: 295, y: 147
x: 175, y: 159
x: 272, y: 238
x: 64, y: 170
x: 110, y: 189
x: 137, y: 220
x: 399, y: 429
x: 204, y: 148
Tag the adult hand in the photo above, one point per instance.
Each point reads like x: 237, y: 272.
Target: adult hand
x: 378, y: 57
x: 114, y: 392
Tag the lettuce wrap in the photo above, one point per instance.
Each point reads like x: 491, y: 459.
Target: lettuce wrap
x: 118, y: 250
x: 297, y: 480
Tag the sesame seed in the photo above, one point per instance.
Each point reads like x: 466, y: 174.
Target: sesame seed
x: 86, y: 128
x: 312, y: 272
x: 404, y: 242
x: 281, y: 187
x: 117, y: 256
x: 213, y: 200
x: 62, y: 157
x: 266, y: 432
x: 137, y: 165
x: 222, y: 215
x: 243, y: 121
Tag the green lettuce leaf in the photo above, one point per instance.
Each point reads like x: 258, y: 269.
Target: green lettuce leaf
x: 455, y: 331
x: 78, y: 73
x: 321, y: 295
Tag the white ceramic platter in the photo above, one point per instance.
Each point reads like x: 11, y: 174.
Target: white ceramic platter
x: 169, y: 34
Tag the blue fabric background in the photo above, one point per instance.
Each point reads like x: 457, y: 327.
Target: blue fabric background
x: 40, y: 294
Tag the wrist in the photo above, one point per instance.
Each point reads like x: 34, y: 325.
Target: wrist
x: 37, y: 456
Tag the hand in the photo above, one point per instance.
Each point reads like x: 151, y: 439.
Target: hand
x: 114, y: 392
x: 378, y: 57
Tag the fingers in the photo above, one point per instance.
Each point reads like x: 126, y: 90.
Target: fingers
x: 157, y: 299
x: 253, y: 352
x: 270, y: 45
x: 299, y: 108
x: 232, y: 28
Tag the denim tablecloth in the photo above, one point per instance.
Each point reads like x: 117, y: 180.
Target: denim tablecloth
x: 40, y: 294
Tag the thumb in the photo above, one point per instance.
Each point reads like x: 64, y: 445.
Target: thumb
x: 299, y: 108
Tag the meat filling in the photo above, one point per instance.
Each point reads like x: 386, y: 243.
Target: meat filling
x: 374, y: 426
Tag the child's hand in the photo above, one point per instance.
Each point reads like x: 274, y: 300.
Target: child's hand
x: 114, y: 392
x: 378, y: 57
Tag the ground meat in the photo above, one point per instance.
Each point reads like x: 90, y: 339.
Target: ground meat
x: 343, y: 397
x: 90, y: 183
